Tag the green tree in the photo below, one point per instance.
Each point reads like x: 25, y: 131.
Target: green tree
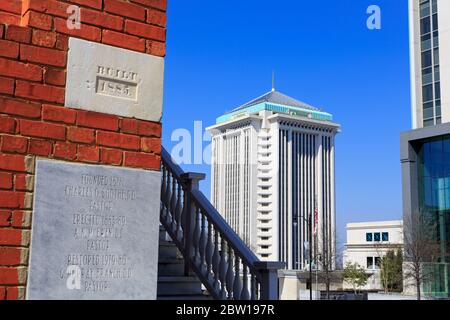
x: 355, y: 275
x: 391, y: 271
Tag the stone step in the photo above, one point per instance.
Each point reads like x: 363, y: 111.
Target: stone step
x: 168, y: 250
x: 178, y: 285
x: 170, y: 267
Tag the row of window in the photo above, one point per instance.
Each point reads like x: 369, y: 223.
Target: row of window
x: 377, y: 236
x: 431, y: 91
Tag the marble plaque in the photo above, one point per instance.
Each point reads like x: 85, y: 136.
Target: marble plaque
x: 95, y: 232
x: 112, y: 80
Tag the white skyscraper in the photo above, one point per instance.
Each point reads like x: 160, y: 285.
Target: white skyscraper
x: 429, y: 25
x: 272, y: 165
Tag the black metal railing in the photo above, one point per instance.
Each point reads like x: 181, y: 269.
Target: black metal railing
x: 211, y: 248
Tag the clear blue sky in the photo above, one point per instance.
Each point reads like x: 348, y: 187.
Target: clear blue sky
x: 221, y: 54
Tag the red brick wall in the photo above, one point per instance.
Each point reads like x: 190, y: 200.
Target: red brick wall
x: 34, y: 121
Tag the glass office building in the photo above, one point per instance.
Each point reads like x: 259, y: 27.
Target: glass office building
x: 425, y: 155
x: 434, y: 202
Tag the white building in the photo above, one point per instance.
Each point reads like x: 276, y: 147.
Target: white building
x: 429, y: 26
x: 368, y: 242
x: 272, y: 160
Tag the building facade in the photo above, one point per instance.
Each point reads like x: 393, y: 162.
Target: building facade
x: 272, y: 168
x: 430, y: 61
x: 425, y: 151
x: 368, y: 242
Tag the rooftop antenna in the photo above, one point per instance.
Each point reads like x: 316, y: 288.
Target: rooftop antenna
x: 273, y: 81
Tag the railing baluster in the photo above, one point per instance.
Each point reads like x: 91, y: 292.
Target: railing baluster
x: 216, y: 260
x: 178, y: 209
x: 173, y: 203
x: 237, y: 286
x: 202, y: 241
x: 163, y: 191
x: 196, y: 236
x: 168, y: 197
x: 223, y: 268
x: 245, y: 288
x: 230, y: 273
x: 253, y: 294
x: 209, y: 250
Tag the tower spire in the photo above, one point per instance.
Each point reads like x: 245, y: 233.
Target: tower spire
x: 273, y: 81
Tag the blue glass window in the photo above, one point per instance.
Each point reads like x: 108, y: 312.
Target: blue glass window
x: 385, y: 236
x: 377, y: 236
x: 369, y: 237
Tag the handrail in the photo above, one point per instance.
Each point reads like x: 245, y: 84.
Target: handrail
x: 211, y: 248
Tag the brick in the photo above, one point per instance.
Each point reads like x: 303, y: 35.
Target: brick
x: 23, y: 182
x: 2, y: 30
x: 40, y: 92
x: 143, y: 128
x: 7, y: 125
x: 44, y: 38
x: 151, y: 145
x: 156, y: 17
x: 10, y: 237
x: 21, y: 219
x: 88, y: 153
x: 150, y: 129
x: 18, y: 33
x: 6, y: 85
x: 9, y: 18
x: 12, y: 276
x: 101, y: 19
x: 62, y: 42
x: 2, y: 293
x: 5, y: 218
x: 158, y: 4
x: 15, y: 293
x: 123, y: 40
x: 125, y: 9
x: 51, y: 7
x: 156, y: 48
x: 20, y: 108
x: 145, y: 30
x: 97, y: 120
x: 58, y: 114
x: 41, y: 55
x: 54, y: 76
x: 6, y: 180
x: 14, y: 144
x: 20, y: 70
x: 118, y: 140
x: 86, y: 31
x: 13, y: 162
x: 40, y: 147
x: 42, y: 130
x: 12, y: 199
x: 96, y: 4
x: 142, y: 160
x: 12, y: 6
x: 81, y: 135
x: 10, y: 256
x: 9, y: 49
x: 9, y: 276
x: 37, y: 20
x: 111, y: 156
x: 65, y: 150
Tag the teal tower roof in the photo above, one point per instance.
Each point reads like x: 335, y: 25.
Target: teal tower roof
x: 279, y: 103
